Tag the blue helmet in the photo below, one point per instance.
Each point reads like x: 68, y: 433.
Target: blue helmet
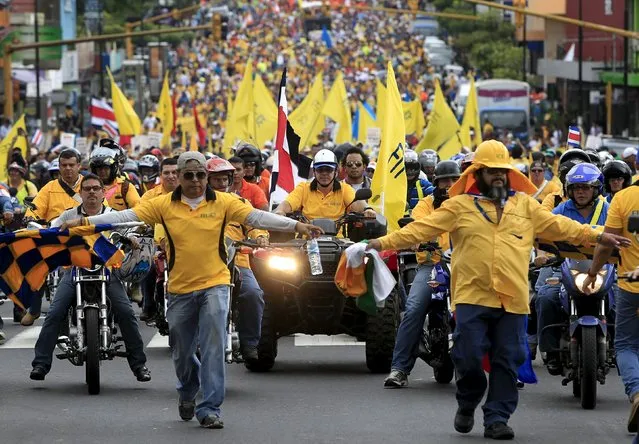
x: 585, y: 173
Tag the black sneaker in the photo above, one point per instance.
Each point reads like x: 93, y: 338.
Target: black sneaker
x: 249, y: 353
x: 396, y: 379
x: 212, y: 422
x: 147, y: 316
x: 499, y: 430
x: 464, y: 420
x: 186, y: 410
x: 38, y: 373
x: 554, y: 364
x: 143, y: 374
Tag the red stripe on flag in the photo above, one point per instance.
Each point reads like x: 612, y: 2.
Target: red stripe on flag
x: 285, y: 179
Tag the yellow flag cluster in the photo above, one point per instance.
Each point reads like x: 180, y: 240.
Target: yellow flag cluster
x: 470, y: 122
x: 265, y: 113
x: 414, y: 117
x: 10, y: 141
x: 442, y: 133
x: 365, y: 121
x: 338, y: 108
x: 128, y: 121
x: 389, y: 181
x: 307, y: 119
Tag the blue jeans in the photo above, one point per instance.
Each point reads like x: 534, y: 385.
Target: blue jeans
x: 544, y: 274
x: 250, y: 309
x: 199, y: 318
x: 549, y: 311
x: 502, y: 335
x: 412, y: 325
x: 36, y: 303
x: 627, y: 340
x: 122, y: 310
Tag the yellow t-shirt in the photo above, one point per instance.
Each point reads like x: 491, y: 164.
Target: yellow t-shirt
x: 158, y: 230
x: 315, y: 205
x: 622, y: 206
x: 195, y: 237
x: 52, y: 200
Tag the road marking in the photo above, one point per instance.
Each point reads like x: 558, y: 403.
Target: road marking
x: 325, y: 340
x: 158, y: 341
x: 25, y: 339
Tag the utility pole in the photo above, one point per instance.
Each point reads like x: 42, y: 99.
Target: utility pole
x: 523, y: 70
x: 626, y: 62
x: 581, y: 57
x: 37, y: 62
x: 101, y: 50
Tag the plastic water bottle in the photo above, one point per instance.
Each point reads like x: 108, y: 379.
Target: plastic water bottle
x: 314, y: 257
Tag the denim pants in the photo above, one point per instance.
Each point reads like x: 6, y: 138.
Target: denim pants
x: 250, y: 309
x: 412, y: 325
x: 627, y: 340
x: 502, y: 335
x: 549, y: 311
x: 122, y: 310
x: 200, y: 318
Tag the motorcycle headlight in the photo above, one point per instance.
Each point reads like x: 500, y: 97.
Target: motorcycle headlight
x: 579, y: 281
x: 287, y: 264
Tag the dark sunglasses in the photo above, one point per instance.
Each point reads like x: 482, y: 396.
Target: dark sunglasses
x: 190, y: 175
x: 354, y: 164
x: 537, y: 170
x: 95, y: 189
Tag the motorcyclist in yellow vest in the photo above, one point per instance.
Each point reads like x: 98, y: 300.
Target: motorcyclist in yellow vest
x: 251, y: 296
x: 418, y: 301
x: 118, y: 192
x: 325, y: 196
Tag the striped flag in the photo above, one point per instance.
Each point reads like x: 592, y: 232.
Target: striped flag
x: 102, y: 117
x: 289, y: 167
x: 37, y: 138
x: 574, y: 137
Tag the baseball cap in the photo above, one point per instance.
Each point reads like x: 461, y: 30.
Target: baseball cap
x: 191, y: 155
x: 630, y: 151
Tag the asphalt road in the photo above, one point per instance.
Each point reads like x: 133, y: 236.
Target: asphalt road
x: 315, y: 394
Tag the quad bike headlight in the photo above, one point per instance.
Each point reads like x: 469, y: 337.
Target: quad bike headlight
x: 287, y: 264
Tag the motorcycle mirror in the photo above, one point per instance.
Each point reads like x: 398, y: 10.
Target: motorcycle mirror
x: 633, y: 222
x: 404, y: 221
x: 361, y: 194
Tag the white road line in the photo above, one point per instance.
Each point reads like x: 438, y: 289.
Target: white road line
x: 158, y: 341
x: 324, y: 340
x: 25, y: 339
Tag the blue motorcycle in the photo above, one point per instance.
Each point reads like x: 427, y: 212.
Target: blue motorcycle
x: 585, y: 345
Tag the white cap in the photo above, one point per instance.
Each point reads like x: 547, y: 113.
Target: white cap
x: 630, y: 151
x: 371, y: 166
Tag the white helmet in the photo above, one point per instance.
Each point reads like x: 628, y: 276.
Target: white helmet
x: 325, y: 158
x: 137, y: 262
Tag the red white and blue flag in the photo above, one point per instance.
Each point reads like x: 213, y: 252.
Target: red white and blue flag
x: 103, y: 117
x: 289, y: 166
x: 574, y: 137
x: 37, y: 138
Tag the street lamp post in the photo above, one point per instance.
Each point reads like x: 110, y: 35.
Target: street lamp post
x: 581, y: 57
x: 37, y: 61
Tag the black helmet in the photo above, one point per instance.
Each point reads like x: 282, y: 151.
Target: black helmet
x: 615, y: 169
x: 104, y: 157
x: 121, y: 155
x: 248, y: 153
x: 446, y: 168
x: 569, y: 159
x: 594, y: 157
x: 151, y: 162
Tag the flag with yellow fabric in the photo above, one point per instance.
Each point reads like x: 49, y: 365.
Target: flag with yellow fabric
x: 442, y: 133
x: 414, y: 117
x: 240, y: 120
x: 470, y: 122
x: 365, y: 120
x: 307, y: 119
x: 389, y: 181
x: 165, y: 112
x: 128, y: 121
x: 337, y: 107
x: 380, y: 94
x: 10, y: 141
x: 193, y: 143
x: 265, y: 120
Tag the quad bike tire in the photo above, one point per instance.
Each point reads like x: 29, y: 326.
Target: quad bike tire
x: 92, y: 357
x: 267, y: 347
x: 381, y: 333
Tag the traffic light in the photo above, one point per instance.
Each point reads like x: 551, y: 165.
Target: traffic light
x: 519, y: 17
x: 220, y: 26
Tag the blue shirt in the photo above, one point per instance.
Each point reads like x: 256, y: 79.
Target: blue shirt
x: 413, y: 196
x: 569, y: 210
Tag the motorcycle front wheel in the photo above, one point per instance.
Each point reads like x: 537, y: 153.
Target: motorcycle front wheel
x: 589, y: 364
x: 92, y: 356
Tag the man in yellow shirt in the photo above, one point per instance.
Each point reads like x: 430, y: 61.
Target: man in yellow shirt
x: 119, y: 193
x: 623, y: 208
x: 325, y: 196
x: 412, y: 326
x: 194, y: 218
x: 492, y: 223
x: 544, y: 186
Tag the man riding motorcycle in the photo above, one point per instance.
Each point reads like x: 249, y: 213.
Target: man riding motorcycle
x: 119, y: 192
x: 92, y: 193
x: 251, y: 296
x: 411, y: 327
x: 417, y: 188
x: 253, y: 170
x: 617, y: 176
x: 584, y: 184
x: 325, y: 196
x: 428, y: 161
x: 567, y: 160
x: 149, y: 167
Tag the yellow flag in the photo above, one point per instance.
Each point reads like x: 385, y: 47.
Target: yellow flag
x: 193, y: 144
x: 389, y: 181
x: 128, y: 121
x: 442, y: 134
x: 265, y: 122
x: 380, y: 91
x: 471, y: 119
x: 165, y: 112
x: 414, y: 117
x: 365, y: 121
x: 183, y: 142
x: 240, y: 120
x: 307, y: 119
x: 8, y: 143
x: 338, y: 108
